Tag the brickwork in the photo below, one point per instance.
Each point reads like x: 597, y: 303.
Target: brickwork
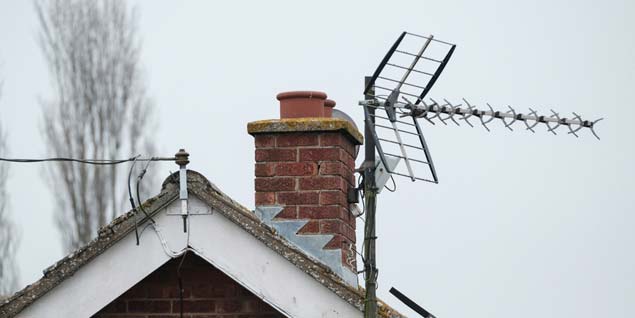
x: 207, y: 293
x: 309, y: 173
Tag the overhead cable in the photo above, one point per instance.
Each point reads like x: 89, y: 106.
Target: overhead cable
x: 88, y: 161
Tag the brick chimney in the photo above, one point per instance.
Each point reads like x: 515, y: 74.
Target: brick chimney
x: 304, y: 168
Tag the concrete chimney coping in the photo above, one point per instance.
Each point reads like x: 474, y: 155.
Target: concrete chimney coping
x: 315, y: 124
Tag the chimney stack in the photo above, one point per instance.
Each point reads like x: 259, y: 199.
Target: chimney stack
x: 304, y: 168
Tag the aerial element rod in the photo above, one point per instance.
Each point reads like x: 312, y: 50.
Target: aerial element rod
x: 394, y: 95
x: 435, y: 109
x: 397, y: 89
x: 429, y: 37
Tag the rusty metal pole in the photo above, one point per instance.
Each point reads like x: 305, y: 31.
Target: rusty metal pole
x: 370, y: 197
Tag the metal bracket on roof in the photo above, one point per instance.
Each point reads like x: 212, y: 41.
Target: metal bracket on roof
x: 195, y: 207
x: 182, y: 160
x: 382, y: 175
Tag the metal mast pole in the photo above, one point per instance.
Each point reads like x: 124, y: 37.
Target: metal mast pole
x: 370, y: 197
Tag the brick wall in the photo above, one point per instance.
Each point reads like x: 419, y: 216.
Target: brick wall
x: 309, y: 173
x: 207, y: 292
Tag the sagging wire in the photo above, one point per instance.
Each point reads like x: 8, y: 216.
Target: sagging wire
x: 172, y: 254
x: 164, y: 244
x: 139, y: 178
x: 144, y: 229
x: 86, y: 161
x: 102, y: 162
x: 361, y: 194
x: 134, y: 208
x: 361, y: 188
x: 360, y: 255
x: 394, y: 188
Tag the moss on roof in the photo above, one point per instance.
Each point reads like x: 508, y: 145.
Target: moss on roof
x: 303, y: 125
x: 210, y: 194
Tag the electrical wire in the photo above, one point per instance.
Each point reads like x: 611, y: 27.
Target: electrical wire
x: 139, y: 178
x: 360, y: 183
x: 134, y: 208
x: 368, y: 235
x: 105, y: 162
x: 144, y: 229
x: 172, y: 254
x: 153, y: 224
x: 166, y: 248
x: 108, y: 162
x: 360, y: 255
x: 88, y: 161
x: 164, y: 243
x: 180, y: 282
x: 394, y: 188
x: 361, y: 193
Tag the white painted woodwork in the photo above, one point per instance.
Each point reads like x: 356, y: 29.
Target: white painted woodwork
x: 213, y: 237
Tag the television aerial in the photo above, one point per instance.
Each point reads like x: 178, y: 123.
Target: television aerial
x: 395, y: 101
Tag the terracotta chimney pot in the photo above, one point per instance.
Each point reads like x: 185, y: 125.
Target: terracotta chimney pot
x: 328, y: 108
x: 298, y: 104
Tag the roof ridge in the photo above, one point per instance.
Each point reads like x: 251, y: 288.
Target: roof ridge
x: 210, y: 194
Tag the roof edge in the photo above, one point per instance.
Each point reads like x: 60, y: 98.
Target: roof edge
x: 247, y: 220
x: 66, y: 267
x: 210, y: 194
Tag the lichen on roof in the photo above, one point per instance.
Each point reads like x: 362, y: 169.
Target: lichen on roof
x: 199, y: 186
x: 305, y: 124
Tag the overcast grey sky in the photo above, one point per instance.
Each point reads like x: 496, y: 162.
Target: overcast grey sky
x: 521, y: 224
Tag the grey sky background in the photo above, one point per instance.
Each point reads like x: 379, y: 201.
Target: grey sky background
x: 521, y: 224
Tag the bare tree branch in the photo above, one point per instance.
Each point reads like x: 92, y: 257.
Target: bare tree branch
x: 100, y: 108
x: 9, y: 237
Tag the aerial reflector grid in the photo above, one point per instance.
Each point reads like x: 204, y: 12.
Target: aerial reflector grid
x: 409, y: 69
x: 401, y: 145
x: 405, y: 76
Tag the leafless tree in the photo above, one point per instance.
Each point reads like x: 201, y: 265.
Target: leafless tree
x: 99, y: 110
x: 9, y: 236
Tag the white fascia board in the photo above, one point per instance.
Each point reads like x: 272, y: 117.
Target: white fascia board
x: 213, y: 237
x: 264, y: 272
x: 110, y: 274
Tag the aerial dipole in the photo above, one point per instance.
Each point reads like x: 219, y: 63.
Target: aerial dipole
x: 395, y: 98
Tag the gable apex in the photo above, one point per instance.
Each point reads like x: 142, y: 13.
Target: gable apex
x: 208, y: 238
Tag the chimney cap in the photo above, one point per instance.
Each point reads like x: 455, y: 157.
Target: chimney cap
x: 291, y: 125
x: 301, y: 94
